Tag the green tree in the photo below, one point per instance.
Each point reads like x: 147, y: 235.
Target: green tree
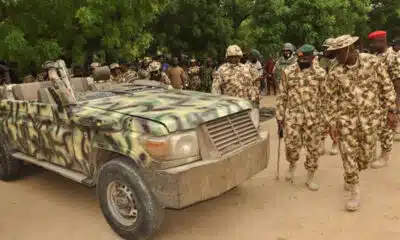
x: 196, y: 27
x: 385, y: 15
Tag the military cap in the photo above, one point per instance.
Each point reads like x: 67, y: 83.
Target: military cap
x: 234, y: 51
x: 95, y: 65
x: 342, y: 42
x: 114, y: 66
x: 154, y: 66
x: 306, y: 50
x: 288, y: 46
x: 377, y: 34
x: 193, y: 60
x: 328, y: 42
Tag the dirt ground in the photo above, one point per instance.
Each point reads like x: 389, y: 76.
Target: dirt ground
x: 46, y: 206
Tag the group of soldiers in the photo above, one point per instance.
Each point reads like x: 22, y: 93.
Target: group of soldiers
x: 345, y: 93
x: 349, y: 94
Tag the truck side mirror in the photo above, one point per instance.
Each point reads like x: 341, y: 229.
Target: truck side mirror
x: 101, y: 73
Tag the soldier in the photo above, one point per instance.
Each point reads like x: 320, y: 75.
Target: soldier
x: 156, y: 74
x: 128, y: 75
x: 327, y: 62
x: 356, y: 89
x: 298, y: 112
x: 193, y: 73
x: 391, y: 62
x: 144, y: 68
x: 236, y: 79
x: 206, y: 73
x: 288, y: 58
x: 116, y: 72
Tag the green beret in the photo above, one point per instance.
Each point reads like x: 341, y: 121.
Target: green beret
x: 306, y: 49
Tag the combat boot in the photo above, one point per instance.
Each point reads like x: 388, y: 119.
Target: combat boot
x: 290, y: 172
x: 311, y: 183
x: 354, y: 202
x: 334, y: 150
x: 382, y: 161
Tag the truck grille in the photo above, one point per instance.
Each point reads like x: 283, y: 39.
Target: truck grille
x: 232, y: 132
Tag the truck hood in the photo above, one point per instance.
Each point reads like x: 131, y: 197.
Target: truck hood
x: 177, y: 110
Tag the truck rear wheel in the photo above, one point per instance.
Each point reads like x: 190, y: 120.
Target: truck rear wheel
x: 127, y: 203
x: 9, y: 166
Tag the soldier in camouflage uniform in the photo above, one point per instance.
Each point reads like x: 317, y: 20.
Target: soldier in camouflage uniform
x: 156, y: 74
x: 236, y: 79
x: 298, y: 112
x: 128, y: 75
x: 193, y: 73
x: 327, y: 62
x: 144, y: 68
x: 391, y: 61
x: 356, y: 89
x: 206, y: 74
x: 116, y: 73
x: 288, y: 58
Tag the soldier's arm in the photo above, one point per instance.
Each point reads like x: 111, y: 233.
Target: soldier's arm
x: 387, y: 93
x: 282, y: 98
x: 217, y: 83
x: 330, y: 100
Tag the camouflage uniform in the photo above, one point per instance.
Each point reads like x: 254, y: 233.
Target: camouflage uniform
x: 298, y: 105
x: 206, y: 74
x: 283, y: 63
x: 236, y: 80
x: 391, y: 61
x: 155, y: 67
x: 144, y: 72
x: 194, y: 78
x: 354, y: 96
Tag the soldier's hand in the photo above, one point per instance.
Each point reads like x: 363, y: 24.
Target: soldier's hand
x: 392, y: 120
x: 334, y: 133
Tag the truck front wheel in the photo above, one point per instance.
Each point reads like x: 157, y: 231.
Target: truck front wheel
x: 126, y: 202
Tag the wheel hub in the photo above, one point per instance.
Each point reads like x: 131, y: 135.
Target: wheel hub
x: 122, y: 203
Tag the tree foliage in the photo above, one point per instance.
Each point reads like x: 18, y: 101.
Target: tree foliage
x: 81, y: 31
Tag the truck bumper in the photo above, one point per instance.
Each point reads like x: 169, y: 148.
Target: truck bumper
x: 185, y: 185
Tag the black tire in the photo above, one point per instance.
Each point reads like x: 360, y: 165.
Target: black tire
x: 9, y: 166
x: 150, y: 214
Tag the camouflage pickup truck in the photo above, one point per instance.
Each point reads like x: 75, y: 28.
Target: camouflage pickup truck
x: 143, y: 146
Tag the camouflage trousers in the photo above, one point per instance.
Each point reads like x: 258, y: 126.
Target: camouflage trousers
x: 299, y: 136
x: 358, y: 150
x: 385, y: 135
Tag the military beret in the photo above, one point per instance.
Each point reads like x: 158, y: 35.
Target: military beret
x: 306, y: 49
x: 377, y: 34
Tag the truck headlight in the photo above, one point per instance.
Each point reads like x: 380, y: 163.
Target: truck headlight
x: 255, y: 117
x: 172, y: 147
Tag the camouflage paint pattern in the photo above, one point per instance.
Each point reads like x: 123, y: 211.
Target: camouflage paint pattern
x: 42, y: 131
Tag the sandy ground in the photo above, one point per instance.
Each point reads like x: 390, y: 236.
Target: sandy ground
x: 46, y: 206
